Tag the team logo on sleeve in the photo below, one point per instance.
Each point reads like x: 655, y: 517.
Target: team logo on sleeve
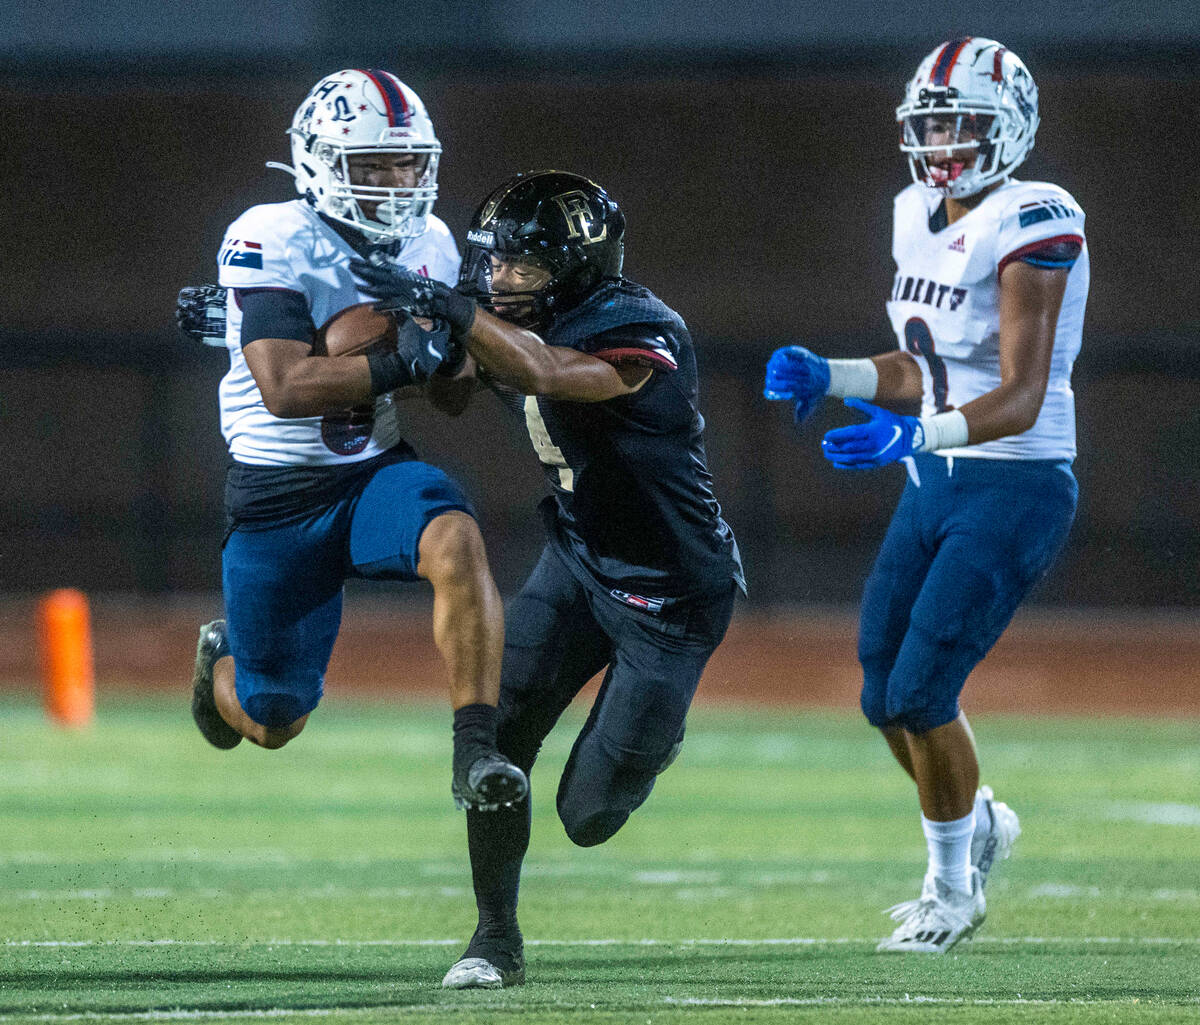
x: 240, y: 253
x: 1045, y: 210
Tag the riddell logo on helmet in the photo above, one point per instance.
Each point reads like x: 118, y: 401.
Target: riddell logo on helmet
x: 396, y: 133
x: 476, y: 237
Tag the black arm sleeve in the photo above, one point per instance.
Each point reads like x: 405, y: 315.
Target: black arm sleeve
x: 274, y: 313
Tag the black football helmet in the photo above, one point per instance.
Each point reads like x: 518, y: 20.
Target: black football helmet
x: 562, y: 222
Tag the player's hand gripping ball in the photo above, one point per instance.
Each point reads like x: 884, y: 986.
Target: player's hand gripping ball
x: 398, y: 288
x: 796, y: 374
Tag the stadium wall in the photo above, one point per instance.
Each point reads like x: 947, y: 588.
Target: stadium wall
x: 759, y: 201
x: 1081, y: 662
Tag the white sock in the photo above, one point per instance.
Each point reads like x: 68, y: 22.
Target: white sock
x: 949, y: 846
x: 981, y: 813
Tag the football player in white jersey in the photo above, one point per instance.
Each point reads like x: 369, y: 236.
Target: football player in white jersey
x: 322, y: 486
x: 987, y: 306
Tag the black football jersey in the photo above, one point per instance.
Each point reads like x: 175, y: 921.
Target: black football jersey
x: 633, y: 509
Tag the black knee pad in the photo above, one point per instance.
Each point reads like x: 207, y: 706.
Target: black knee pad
x: 591, y: 830
x: 591, y: 815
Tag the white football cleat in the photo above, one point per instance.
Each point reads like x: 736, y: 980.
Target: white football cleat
x: 480, y: 973
x: 938, y: 919
x: 996, y: 830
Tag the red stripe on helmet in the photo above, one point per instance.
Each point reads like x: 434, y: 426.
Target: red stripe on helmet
x: 998, y: 64
x: 946, y: 60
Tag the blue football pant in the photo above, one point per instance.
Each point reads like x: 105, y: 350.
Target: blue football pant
x: 283, y: 586
x: 961, y: 553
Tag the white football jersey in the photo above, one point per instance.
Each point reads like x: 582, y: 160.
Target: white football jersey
x: 288, y: 246
x: 945, y: 304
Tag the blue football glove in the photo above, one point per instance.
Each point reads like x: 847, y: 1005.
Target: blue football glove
x: 799, y: 375
x: 398, y: 288
x: 885, y: 438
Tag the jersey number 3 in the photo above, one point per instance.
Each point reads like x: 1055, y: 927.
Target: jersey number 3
x: 920, y: 343
x: 548, y: 452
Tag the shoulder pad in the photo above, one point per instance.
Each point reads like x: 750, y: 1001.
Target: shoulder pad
x: 257, y: 246
x: 613, y: 305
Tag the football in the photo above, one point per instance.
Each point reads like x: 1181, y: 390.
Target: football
x: 354, y: 331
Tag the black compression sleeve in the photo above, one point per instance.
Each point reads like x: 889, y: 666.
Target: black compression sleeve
x: 388, y: 372
x: 274, y: 313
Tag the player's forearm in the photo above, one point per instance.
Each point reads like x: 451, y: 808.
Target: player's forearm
x: 521, y: 360
x: 317, y: 385
x: 1007, y: 410
x: 509, y: 354
x: 899, y: 379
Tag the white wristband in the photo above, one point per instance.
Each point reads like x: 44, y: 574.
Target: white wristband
x: 943, y: 430
x: 853, y: 378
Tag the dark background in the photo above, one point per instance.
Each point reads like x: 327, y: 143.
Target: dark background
x: 753, y: 151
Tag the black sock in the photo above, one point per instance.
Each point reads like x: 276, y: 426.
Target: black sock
x: 474, y: 735
x: 497, y: 842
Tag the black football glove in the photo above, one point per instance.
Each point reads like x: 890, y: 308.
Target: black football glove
x: 200, y: 314
x: 418, y: 355
x: 400, y: 289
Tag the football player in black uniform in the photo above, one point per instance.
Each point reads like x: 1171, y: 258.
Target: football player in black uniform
x: 639, y: 575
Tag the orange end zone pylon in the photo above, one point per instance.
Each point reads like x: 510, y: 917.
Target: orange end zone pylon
x: 64, y: 627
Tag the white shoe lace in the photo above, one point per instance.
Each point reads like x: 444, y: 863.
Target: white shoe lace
x: 916, y: 913
x: 918, y: 910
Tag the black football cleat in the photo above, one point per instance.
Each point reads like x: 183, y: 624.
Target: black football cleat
x: 213, y: 644
x: 490, y: 783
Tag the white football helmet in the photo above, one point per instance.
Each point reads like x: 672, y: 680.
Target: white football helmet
x: 363, y: 112
x: 968, y: 94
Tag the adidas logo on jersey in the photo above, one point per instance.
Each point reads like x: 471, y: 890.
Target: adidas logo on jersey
x: 959, y: 245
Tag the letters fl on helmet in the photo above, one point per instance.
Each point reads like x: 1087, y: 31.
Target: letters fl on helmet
x: 969, y: 116
x: 562, y: 222
x: 355, y: 112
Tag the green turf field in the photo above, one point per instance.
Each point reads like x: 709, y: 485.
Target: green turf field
x: 147, y: 876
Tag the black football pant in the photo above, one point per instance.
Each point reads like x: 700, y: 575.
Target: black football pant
x: 558, y: 635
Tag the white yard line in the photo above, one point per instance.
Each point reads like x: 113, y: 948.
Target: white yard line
x: 789, y: 941
x: 211, y: 893
x: 897, y: 1001
x: 449, y: 1006
x: 1155, y: 814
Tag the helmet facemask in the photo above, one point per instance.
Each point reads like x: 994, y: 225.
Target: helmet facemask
x: 384, y: 214
x: 955, y: 152
x: 570, y: 277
